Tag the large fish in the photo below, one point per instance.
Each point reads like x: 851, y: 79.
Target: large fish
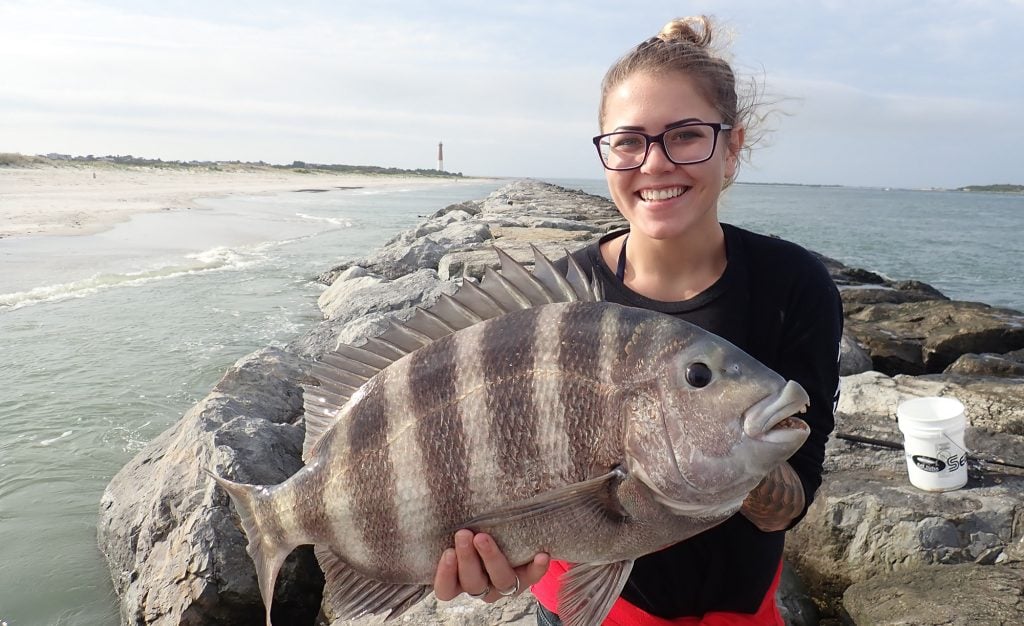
x: 526, y: 408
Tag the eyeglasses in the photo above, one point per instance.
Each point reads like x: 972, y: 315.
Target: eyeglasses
x: 684, y: 145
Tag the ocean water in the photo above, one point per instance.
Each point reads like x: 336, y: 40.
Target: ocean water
x: 106, y: 340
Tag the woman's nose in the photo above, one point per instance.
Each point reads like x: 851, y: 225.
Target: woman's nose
x: 657, y: 160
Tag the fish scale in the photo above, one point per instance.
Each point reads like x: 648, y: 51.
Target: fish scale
x: 528, y: 409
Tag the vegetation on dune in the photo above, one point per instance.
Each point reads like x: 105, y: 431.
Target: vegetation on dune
x: 21, y: 160
x: 1006, y: 188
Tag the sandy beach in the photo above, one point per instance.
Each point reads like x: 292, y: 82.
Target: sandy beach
x: 79, y: 199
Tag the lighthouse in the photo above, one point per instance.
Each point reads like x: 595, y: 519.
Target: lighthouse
x: 440, y: 156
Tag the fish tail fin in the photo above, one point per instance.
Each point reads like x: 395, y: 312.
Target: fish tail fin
x: 267, y: 555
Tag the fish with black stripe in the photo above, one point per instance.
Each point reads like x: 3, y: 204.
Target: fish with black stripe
x: 527, y: 408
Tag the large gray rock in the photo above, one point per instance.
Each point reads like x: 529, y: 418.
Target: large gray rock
x: 1009, y: 365
x: 956, y: 595
x: 175, y: 553
x: 991, y: 403
x: 926, y: 337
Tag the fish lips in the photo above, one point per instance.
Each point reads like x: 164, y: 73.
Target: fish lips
x: 771, y: 419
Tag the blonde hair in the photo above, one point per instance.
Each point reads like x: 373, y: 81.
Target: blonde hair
x: 688, y: 46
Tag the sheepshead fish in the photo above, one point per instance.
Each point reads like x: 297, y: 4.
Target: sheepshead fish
x: 527, y: 408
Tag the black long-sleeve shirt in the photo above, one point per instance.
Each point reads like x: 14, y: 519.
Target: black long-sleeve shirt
x: 777, y: 302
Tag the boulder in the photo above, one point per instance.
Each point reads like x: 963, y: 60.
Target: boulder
x: 955, y: 595
x: 990, y: 403
x: 175, y: 552
x: 926, y: 337
x: 1009, y: 365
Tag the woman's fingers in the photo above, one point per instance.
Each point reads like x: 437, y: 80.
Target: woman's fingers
x: 506, y: 580
x: 478, y: 566
x: 473, y: 577
x: 446, y: 579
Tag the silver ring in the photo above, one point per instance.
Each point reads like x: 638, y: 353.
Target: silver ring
x: 513, y: 591
x: 481, y: 595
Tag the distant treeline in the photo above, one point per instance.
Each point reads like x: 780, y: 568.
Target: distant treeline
x: 11, y: 159
x: 999, y: 188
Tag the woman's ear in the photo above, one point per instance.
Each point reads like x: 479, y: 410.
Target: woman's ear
x: 732, y: 161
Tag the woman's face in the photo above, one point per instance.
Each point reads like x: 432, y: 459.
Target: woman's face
x: 663, y: 200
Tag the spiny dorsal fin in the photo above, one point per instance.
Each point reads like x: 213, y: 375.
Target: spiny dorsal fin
x: 344, y: 370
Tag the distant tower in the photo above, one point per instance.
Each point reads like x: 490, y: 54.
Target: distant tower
x: 440, y: 156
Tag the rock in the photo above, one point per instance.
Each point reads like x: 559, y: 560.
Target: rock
x: 471, y: 207
x: 926, y: 337
x: 957, y: 595
x: 1009, y: 365
x: 175, y: 551
x: 794, y: 600
x: 856, y: 297
x: 853, y: 359
x: 990, y: 403
x: 370, y: 297
x: 462, y: 611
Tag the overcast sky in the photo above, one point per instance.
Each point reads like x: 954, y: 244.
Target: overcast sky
x: 900, y: 93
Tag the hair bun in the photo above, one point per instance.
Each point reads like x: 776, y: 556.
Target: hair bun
x: 695, y: 30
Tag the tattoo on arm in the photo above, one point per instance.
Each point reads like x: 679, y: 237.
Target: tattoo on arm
x: 777, y: 501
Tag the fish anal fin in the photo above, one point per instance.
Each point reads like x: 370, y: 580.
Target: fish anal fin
x: 589, y: 590
x: 350, y: 595
x: 579, y: 505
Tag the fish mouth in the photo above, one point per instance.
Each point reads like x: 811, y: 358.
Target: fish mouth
x: 772, y: 419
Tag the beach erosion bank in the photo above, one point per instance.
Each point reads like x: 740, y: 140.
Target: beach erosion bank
x: 81, y: 198
x: 173, y: 547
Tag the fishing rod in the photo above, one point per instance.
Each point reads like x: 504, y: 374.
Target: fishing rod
x: 882, y: 443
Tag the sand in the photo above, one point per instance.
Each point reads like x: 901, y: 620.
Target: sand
x: 80, y: 199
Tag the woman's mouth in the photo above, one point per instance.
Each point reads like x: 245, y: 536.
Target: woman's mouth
x: 652, y: 195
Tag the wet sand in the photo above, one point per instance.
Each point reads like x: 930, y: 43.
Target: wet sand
x: 80, y: 199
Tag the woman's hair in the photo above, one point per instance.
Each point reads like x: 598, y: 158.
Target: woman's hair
x: 687, y: 46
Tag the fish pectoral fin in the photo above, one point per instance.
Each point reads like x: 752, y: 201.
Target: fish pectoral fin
x: 593, y: 500
x: 351, y: 595
x: 589, y: 590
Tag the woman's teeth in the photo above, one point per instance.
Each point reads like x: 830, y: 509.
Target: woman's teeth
x: 662, y: 194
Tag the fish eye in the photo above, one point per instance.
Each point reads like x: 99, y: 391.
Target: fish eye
x: 698, y: 374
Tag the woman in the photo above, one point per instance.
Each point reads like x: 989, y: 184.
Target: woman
x: 672, y: 134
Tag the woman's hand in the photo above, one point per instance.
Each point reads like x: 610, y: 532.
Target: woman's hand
x: 476, y: 565
x: 777, y: 501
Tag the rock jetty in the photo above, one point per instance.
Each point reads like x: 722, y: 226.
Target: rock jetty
x: 872, y: 549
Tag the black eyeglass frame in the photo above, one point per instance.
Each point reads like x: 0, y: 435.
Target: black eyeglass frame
x: 718, y: 127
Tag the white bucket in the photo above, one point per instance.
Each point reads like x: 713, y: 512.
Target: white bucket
x: 933, y: 442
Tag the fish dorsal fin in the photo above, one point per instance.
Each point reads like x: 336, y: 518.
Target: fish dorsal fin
x: 514, y: 288
x: 351, y: 595
x: 589, y: 590
x: 579, y: 505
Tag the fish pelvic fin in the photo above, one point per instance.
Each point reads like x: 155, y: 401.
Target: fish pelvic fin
x: 351, y: 595
x: 267, y: 555
x: 589, y: 590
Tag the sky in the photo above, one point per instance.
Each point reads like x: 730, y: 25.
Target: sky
x: 894, y: 93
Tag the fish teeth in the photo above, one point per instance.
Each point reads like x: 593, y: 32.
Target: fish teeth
x: 662, y: 194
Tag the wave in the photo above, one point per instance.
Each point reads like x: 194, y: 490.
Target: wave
x: 212, y: 260
x: 336, y: 221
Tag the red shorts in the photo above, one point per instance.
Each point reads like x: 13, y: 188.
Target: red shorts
x: 625, y: 614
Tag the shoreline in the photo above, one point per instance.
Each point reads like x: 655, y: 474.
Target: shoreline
x: 72, y: 200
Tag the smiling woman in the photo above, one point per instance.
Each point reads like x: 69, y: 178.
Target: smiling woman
x: 672, y: 131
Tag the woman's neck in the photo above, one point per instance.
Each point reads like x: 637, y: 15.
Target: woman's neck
x: 670, y: 270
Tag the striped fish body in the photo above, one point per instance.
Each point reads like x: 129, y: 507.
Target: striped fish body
x: 591, y: 431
